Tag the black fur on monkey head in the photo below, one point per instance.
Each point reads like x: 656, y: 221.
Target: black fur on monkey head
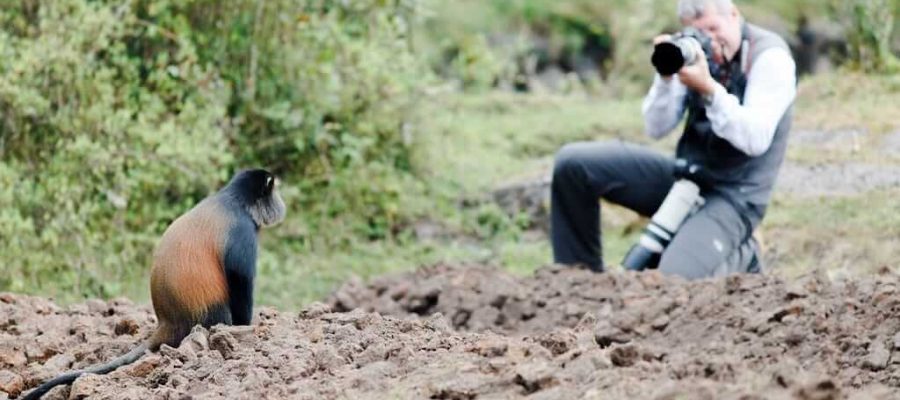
x: 256, y: 191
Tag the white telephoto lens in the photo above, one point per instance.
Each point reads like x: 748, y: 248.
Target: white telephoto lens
x: 651, y: 244
x: 681, y: 199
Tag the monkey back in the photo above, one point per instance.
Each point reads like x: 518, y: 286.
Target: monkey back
x: 187, y: 276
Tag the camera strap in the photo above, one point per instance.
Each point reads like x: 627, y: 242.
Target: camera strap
x: 746, y: 48
x: 745, y: 56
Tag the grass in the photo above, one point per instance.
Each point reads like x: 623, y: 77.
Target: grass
x: 477, y: 141
x: 845, y: 235
x: 860, y: 108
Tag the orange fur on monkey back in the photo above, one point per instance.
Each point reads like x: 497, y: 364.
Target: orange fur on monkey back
x: 187, y: 275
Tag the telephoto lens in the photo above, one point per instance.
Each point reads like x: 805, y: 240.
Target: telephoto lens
x: 672, y: 55
x: 678, y: 204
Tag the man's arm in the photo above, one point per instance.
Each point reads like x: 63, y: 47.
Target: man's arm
x: 771, y: 88
x: 664, y: 106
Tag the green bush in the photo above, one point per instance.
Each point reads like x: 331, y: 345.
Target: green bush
x: 870, y: 25
x: 119, y: 116
x: 108, y: 131
x: 322, y: 90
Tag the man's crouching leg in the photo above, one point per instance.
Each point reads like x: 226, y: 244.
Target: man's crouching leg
x: 632, y: 176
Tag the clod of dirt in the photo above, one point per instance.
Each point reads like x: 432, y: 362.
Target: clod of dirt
x: 624, y: 356
x: 536, y: 375
x: 127, y: 326
x: 11, y: 383
x: 224, y: 343
x: 86, y: 386
x: 490, y: 347
x: 878, y: 357
x: 12, y: 357
x: 315, y: 310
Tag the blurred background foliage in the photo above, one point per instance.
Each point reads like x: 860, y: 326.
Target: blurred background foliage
x: 118, y: 116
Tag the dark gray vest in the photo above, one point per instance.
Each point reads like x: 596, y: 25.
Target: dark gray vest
x: 744, y: 179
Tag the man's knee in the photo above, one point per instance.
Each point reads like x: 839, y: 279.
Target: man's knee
x: 569, y: 161
x: 684, y: 264
x: 572, y: 159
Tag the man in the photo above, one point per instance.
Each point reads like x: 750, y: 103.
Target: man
x: 738, y: 120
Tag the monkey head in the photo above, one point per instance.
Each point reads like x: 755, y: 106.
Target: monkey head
x: 257, y: 191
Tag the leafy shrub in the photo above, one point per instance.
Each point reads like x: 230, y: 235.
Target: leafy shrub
x: 119, y: 116
x: 870, y: 26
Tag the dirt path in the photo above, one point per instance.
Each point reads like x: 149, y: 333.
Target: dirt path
x: 836, y: 179
x: 844, y: 178
x: 561, y: 333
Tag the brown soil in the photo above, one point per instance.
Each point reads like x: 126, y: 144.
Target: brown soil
x: 478, y: 332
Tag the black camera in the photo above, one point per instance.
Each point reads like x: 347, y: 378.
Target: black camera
x: 683, y: 199
x: 670, y: 56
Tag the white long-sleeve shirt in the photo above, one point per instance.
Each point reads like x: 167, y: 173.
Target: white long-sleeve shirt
x: 771, y: 88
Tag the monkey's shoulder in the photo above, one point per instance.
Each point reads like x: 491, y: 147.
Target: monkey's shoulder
x: 207, y: 224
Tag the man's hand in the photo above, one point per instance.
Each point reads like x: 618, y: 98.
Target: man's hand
x: 697, y: 76
x: 662, y: 38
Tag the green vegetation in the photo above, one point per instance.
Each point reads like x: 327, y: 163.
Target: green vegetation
x: 382, y: 117
x: 871, y: 25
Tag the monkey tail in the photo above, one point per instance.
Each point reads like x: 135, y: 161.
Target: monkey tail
x: 100, y: 369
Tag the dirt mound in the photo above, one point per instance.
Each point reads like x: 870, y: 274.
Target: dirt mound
x: 715, y: 329
x: 559, y: 334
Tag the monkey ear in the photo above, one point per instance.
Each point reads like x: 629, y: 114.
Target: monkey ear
x: 270, y: 182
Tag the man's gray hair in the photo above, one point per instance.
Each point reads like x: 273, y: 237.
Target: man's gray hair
x: 692, y: 9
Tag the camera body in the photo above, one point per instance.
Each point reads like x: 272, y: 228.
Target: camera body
x: 670, y: 56
x: 681, y: 201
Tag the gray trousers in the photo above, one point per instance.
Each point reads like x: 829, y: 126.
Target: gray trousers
x: 714, y: 241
